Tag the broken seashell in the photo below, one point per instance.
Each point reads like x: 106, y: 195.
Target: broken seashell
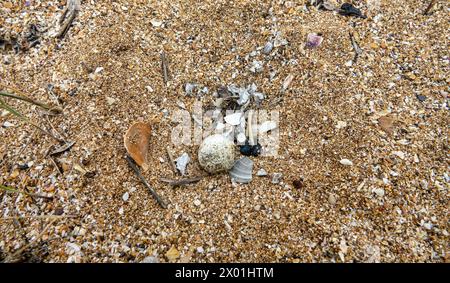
x: 287, y: 81
x: 182, y: 163
x: 346, y: 162
x: 136, y: 141
x: 256, y: 66
x: 7, y: 124
x: 267, y: 48
x: 313, y: 40
x: 329, y: 5
x: 242, y: 170
x: 242, y: 92
x: 233, y: 119
x: 261, y: 173
x: 276, y: 177
x: 189, y: 88
x: 156, y: 22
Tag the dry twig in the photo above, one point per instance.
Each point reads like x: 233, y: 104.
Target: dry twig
x: 181, y: 182
x: 429, y: 7
x: 164, y: 67
x: 356, y: 48
x: 68, y: 16
x: 138, y: 173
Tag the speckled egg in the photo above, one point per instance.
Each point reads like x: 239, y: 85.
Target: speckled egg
x: 216, y: 154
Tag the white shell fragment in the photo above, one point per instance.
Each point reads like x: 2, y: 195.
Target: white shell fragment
x: 276, y: 177
x: 233, y: 119
x: 267, y: 48
x: 346, y: 162
x: 242, y: 92
x: 150, y: 259
x: 7, y: 124
x: 126, y: 196
x: 216, y: 154
x: 242, y: 170
x: 189, y: 88
x: 245, y: 93
x: 256, y: 66
x: 156, y: 22
x: 287, y: 81
x: 261, y: 173
x: 241, y: 138
x: 341, y: 125
x: 182, y: 163
x: 400, y: 154
x: 267, y: 126
x: 258, y: 96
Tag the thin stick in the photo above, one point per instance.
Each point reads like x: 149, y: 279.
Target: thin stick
x: 53, y: 128
x: 181, y: 182
x: 152, y: 191
x: 429, y: 7
x: 164, y: 67
x: 9, y: 189
x: 74, y: 7
x: 56, y: 165
x: 172, y: 162
x: 38, y: 217
x: 21, y: 250
x: 66, y: 26
x: 68, y: 145
x: 356, y: 48
x: 63, y: 16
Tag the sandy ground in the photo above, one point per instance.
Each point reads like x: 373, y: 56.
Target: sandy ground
x: 391, y: 205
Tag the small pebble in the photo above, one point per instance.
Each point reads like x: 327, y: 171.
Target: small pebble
x: 7, y: 124
x: 197, y: 202
x: 298, y: 184
x: 126, y: 196
x: 346, y: 162
x: 332, y: 199
x: 261, y: 173
x: 378, y: 191
x: 110, y: 100
x: 276, y: 178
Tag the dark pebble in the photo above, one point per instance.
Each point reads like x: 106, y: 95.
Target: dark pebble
x: 23, y: 166
x: 250, y: 150
x: 58, y: 211
x: 298, y: 184
x: 421, y: 98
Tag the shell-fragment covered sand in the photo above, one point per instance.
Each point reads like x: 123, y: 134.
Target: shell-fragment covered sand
x: 386, y: 113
